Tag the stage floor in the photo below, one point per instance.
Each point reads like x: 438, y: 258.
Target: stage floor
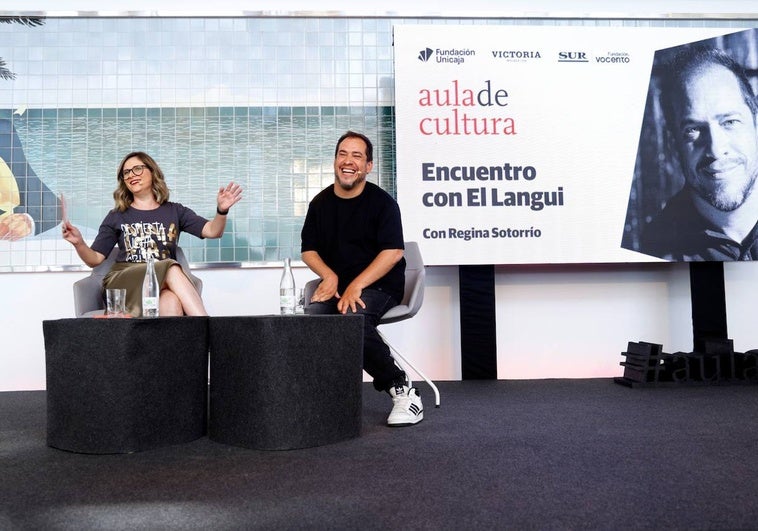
x: 557, y: 454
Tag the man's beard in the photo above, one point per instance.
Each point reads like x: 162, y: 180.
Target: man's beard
x: 725, y: 200
x: 349, y: 186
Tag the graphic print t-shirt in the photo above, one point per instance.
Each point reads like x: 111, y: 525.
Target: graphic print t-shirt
x: 138, y: 232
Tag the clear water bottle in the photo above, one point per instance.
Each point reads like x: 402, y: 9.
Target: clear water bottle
x: 287, y: 290
x: 150, y: 289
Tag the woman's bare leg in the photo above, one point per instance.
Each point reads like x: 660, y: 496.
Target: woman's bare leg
x: 169, y: 304
x: 184, y: 290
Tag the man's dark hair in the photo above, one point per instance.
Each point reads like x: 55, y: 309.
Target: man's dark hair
x: 691, y: 59
x: 353, y: 134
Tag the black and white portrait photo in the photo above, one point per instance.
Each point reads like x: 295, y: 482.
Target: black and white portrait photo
x: 693, y: 195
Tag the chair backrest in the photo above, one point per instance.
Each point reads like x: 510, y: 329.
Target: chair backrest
x: 415, y: 280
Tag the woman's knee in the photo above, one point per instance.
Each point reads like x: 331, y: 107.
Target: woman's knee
x: 176, y: 274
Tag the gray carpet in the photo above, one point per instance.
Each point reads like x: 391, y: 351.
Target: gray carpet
x: 539, y: 454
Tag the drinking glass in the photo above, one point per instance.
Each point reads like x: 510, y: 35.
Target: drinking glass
x: 115, y: 302
x: 300, y: 301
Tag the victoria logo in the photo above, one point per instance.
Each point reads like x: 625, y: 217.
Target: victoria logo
x: 425, y: 54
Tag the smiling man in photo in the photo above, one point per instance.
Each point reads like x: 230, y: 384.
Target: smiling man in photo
x: 710, y: 111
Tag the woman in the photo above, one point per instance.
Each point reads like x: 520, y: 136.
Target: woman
x: 145, y: 221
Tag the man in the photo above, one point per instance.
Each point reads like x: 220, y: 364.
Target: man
x: 352, y: 239
x: 711, y: 112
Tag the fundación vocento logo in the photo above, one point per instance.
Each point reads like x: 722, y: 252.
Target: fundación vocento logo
x: 455, y: 56
x: 614, y: 58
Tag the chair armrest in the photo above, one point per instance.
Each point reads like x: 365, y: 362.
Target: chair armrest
x: 196, y: 281
x: 88, y: 295
x: 309, y: 290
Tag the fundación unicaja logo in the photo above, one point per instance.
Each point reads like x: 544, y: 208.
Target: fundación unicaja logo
x: 452, y: 55
x: 425, y: 54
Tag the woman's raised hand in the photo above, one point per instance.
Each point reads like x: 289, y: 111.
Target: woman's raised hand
x: 228, y: 196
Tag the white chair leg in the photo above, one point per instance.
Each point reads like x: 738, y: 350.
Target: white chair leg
x: 404, y: 361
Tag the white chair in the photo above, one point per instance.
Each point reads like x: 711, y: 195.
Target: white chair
x: 88, y: 292
x: 415, y: 278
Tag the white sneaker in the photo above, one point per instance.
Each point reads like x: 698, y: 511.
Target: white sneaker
x: 407, y: 409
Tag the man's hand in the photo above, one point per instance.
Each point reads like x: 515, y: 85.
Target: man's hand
x: 351, y: 299
x: 326, y: 289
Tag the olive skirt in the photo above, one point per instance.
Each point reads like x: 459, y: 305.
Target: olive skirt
x: 129, y: 276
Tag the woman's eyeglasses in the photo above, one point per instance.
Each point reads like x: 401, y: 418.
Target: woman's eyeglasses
x: 136, y: 170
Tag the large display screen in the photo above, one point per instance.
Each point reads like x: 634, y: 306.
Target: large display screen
x: 551, y: 145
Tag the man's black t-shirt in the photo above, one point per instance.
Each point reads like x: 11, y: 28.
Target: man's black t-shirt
x: 680, y: 233
x: 349, y: 233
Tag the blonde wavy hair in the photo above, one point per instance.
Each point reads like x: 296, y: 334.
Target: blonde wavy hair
x: 124, y: 197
